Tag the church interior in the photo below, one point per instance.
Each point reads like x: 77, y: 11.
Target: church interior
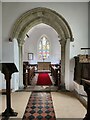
x: 45, y: 60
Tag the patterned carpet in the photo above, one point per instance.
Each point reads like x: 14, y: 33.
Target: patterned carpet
x: 39, y: 107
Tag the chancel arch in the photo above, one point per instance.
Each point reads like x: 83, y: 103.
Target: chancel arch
x: 50, y: 17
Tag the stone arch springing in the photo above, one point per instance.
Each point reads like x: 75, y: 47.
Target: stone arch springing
x: 47, y: 16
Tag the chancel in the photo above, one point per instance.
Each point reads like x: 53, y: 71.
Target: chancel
x: 49, y: 46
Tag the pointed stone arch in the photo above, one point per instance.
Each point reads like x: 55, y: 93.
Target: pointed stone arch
x: 41, y: 15
x: 50, y: 17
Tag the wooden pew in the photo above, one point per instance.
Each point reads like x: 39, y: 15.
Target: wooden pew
x: 28, y: 74
x: 82, y: 77
x: 56, y: 74
x: 31, y: 74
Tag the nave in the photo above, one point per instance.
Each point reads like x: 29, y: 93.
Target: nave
x: 65, y: 104
x: 59, y: 24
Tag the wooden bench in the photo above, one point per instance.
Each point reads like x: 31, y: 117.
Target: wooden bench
x: 31, y: 74
x: 56, y: 74
x: 28, y: 74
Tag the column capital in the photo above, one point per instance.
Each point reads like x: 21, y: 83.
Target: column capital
x: 62, y: 41
x: 20, y: 42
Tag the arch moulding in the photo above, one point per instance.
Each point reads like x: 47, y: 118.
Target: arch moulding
x: 47, y: 16
x: 41, y: 15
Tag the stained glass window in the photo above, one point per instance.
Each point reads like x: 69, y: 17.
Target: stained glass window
x: 44, y: 48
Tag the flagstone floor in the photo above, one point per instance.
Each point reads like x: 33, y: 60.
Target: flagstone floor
x: 65, y: 104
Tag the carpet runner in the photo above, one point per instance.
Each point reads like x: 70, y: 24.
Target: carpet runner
x: 44, y: 79
x: 39, y: 107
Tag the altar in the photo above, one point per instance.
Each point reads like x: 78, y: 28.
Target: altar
x: 43, y: 65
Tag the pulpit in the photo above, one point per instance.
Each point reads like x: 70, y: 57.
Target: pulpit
x: 8, y: 69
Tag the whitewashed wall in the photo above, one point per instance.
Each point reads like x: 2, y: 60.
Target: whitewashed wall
x: 0, y: 31
x: 32, y: 44
x: 7, y: 47
x: 15, y: 76
x: 0, y: 41
x: 89, y: 26
x: 0, y: 53
x: 76, y: 14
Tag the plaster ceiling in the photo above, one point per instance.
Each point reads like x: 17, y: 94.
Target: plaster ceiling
x: 40, y: 26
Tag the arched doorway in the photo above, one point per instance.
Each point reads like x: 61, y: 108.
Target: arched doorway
x: 47, y: 16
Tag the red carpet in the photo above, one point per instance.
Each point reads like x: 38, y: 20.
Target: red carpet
x: 44, y: 79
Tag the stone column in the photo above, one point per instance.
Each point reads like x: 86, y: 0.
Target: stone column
x: 21, y: 65
x: 68, y: 84
x: 63, y: 43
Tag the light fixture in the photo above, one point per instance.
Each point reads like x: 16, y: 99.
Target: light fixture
x: 10, y: 40
x: 27, y: 35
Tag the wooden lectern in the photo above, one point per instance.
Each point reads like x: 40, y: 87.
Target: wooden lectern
x: 8, y: 69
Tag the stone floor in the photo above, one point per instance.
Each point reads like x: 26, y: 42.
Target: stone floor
x: 65, y: 104
x: 51, y: 88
